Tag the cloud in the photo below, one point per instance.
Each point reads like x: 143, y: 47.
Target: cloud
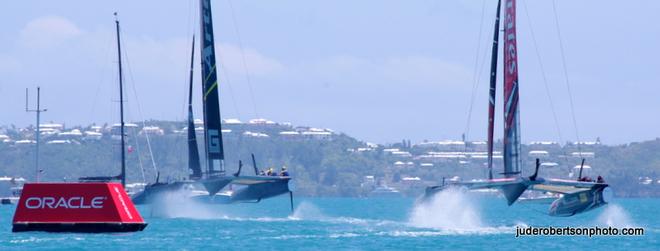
x: 257, y: 63
x: 48, y: 31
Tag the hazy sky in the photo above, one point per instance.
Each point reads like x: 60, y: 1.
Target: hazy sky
x: 377, y: 70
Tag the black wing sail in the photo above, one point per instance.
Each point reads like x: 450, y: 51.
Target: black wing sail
x: 492, y: 91
x: 212, y: 130
x: 193, y: 152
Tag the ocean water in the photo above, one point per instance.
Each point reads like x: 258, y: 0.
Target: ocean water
x: 452, y: 221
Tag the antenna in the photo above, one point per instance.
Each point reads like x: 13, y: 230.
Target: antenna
x: 38, y: 110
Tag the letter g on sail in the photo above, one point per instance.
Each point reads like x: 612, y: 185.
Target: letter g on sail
x: 213, y: 141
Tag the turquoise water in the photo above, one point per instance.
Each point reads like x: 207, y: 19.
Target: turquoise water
x: 453, y: 222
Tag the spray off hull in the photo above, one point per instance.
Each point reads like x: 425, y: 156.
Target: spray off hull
x: 577, y: 197
x: 251, y: 189
x: 156, y: 191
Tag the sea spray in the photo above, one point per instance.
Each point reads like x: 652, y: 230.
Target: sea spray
x: 450, y: 209
x: 307, y: 211
x: 614, y: 216
x: 179, y: 204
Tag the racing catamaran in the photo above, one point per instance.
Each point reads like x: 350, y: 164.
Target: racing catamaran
x: 214, y: 179
x: 577, y: 196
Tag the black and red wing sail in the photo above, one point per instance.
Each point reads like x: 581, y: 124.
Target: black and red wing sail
x: 492, y: 91
x: 512, y: 161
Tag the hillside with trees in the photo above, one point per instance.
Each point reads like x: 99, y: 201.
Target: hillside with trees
x: 322, y: 162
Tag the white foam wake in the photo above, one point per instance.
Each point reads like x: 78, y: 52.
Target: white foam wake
x: 178, y: 204
x: 451, y: 209
x: 614, y: 216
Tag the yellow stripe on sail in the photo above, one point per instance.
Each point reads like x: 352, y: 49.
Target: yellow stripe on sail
x: 215, y: 84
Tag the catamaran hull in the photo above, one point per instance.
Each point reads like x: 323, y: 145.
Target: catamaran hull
x: 575, y: 203
x: 257, y: 192
x: 157, y: 191
x: 261, y: 187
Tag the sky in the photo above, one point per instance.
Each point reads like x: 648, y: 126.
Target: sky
x: 380, y: 71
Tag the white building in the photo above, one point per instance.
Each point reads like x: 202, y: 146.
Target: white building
x: 73, y: 134
x: 544, y: 143
x: 153, y: 130
x: 51, y: 126
x: 289, y: 134
x: 261, y: 121
x: 255, y: 134
x: 317, y: 134
x: 232, y: 121
x: 4, y: 138
x: 25, y: 142
x: 583, y: 154
x: 58, y: 142
x: 549, y: 164
x: 93, y: 135
x: 538, y: 154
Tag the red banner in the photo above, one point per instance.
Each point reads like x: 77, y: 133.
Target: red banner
x: 75, y: 203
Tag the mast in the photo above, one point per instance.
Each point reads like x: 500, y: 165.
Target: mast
x: 492, y: 93
x: 512, y: 161
x: 38, y: 131
x: 193, y: 152
x: 212, y: 131
x: 121, y: 107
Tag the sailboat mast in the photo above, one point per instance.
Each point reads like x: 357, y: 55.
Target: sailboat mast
x: 121, y: 106
x: 512, y: 161
x: 492, y: 90
x: 193, y: 152
x: 212, y: 131
x: 38, y: 111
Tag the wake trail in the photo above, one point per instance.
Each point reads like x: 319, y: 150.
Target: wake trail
x: 614, y: 216
x: 451, y: 211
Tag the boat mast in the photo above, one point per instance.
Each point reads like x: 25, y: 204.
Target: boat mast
x: 38, y: 131
x: 121, y: 107
x: 492, y: 91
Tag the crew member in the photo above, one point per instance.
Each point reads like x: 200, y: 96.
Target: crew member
x: 284, y: 172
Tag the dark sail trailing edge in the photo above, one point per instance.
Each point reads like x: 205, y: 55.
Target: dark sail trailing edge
x: 193, y: 152
x: 212, y: 130
x: 492, y: 91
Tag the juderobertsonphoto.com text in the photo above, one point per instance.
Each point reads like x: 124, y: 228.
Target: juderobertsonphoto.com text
x: 579, y: 231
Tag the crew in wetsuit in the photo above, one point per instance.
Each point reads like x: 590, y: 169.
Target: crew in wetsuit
x: 284, y: 172
x: 600, y: 179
